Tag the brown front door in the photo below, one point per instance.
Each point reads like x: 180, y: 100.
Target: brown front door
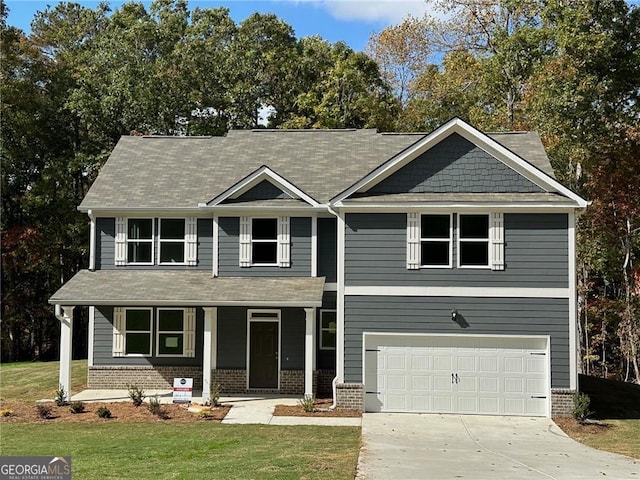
x: 263, y: 356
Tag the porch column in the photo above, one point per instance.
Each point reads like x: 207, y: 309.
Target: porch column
x: 209, y: 353
x: 309, y: 351
x: 65, y: 315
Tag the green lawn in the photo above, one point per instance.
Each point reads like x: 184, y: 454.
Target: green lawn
x: 200, y: 450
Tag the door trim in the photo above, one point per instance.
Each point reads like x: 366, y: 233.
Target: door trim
x: 263, y: 315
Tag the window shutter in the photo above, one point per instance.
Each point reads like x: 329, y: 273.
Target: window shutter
x: 496, y: 239
x: 413, y: 241
x: 284, y: 242
x: 120, y: 254
x: 190, y: 332
x: 245, y: 242
x: 119, y: 327
x: 191, y: 240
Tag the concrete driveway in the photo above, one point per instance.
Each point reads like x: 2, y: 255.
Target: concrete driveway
x: 411, y: 446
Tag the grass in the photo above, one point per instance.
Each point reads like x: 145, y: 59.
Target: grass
x: 190, y: 450
x: 30, y: 381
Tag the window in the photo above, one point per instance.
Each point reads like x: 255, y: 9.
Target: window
x: 140, y: 240
x: 473, y: 243
x: 170, y: 332
x: 264, y: 241
x: 172, y: 240
x: 328, y: 329
x: 435, y: 241
x: 137, y: 332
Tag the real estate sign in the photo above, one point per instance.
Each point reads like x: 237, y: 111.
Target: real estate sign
x: 182, y: 390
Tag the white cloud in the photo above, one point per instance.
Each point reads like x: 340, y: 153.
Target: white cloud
x: 387, y: 11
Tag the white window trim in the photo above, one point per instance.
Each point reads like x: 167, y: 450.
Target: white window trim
x: 322, y: 329
x: 274, y: 241
x: 150, y: 332
x: 151, y: 241
x: 428, y: 239
x: 173, y: 240
x: 181, y: 332
x: 276, y: 319
x: 474, y: 240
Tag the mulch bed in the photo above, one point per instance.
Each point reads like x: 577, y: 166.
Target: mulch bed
x: 580, y: 431
x: 121, y: 412
x: 319, y: 405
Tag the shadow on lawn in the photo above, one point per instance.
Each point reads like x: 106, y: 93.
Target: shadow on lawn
x: 611, y: 399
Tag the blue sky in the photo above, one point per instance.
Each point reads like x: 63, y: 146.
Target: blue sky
x: 352, y: 21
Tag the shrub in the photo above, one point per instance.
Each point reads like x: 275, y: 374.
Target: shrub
x: 76, y: 407
x: 136, y: 394
x: 6, y: 412
x: 214, y: 394
x: 581, y: 402
x: 205, y: 415
x: 103, y: 412
x: 44, y: 411
x: 156, y: 408
x: 307, y: 403
x: 61, y: 397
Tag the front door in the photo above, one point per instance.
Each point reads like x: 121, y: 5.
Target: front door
x: 263, y: 355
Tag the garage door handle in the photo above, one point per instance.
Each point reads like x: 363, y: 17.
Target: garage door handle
x: 453, y: 379
x: 537, y: 396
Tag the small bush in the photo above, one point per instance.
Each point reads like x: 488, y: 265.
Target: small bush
x: 44, y: 411
x: 103, y: 412
x: 205, y: 415
x: 214, y: 394
x: 156, y: 408
x: 581, y: 402
x: 76, y: 407
x: 6, y: 412
x: 136, y: 394
x: 307, y: 403
x: 61, y: 397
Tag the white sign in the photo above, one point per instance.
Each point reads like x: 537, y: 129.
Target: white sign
x: 182, y: 390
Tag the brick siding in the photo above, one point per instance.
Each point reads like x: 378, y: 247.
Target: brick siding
x: 143, y: 377
x: 561, y: 402
x: 350, y: 396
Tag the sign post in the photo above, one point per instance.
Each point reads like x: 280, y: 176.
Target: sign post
x: 182, y: 390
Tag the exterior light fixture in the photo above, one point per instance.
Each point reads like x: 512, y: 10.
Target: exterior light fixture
x: 454, y: 314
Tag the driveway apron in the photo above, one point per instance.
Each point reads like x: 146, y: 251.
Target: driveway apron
x: 419, y: 446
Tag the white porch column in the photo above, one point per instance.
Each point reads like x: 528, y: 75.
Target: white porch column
x: 65, y: 315
x: 309, y: 351
x: 209, y: 353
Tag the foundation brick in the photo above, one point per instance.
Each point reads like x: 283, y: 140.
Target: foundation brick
x: 143, y: 377
x: 350, y: 396
x: 562, y: 402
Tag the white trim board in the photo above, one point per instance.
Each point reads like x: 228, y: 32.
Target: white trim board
x: 491, y: 292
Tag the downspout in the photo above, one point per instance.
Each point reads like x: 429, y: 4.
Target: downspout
x: 334, y: 382
x: 92, y: 241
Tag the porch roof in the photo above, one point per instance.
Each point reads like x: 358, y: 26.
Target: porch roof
x: 187, y: 288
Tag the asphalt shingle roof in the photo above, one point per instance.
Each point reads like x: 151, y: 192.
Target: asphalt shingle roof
x: 174, y: 172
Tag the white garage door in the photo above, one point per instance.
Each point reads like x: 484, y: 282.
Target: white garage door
x: 456, y: 374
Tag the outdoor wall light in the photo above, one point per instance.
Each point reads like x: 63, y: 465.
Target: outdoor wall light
x: 454, y: 314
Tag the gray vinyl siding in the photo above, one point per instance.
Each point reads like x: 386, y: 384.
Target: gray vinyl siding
x: 328, y: 249
x: 536, y: 254
x: 455, y: 165
x: 229, y: 251
x: 325, y: 359
x: 105, y: 246
x: 495, y: 316
x: 103, y: 343
x: 264, y: 190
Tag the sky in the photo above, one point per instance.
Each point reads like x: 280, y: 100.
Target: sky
x: 352, y: 21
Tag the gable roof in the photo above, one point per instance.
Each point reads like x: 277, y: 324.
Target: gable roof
x: 313, y: 166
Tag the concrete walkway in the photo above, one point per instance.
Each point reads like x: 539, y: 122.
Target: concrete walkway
x: 245, y: 409
x: 414, y: 446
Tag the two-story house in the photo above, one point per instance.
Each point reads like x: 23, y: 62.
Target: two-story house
x: 397, y: 272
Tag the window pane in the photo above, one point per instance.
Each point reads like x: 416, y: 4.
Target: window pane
x: 170, y: 320
x: 329, y: 320
x: 138, y: 343
x: 264, y: 229
x: 139, y: 252
x: 474, y: 226
x: 140, y: 228
x: 328, y: 339
x: 435, y: 226
x: 171, y: 252
x: 172, y: 228
x: 435, y: 253
x: 474, y: 253
x: 264, y: 253
x: 138, y: 320
x: 170, y: 344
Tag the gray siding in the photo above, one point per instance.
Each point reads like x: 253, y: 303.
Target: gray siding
x: 103, y: 343
x: 517, y: 316
x: 229, y: 250
x: 264, y: 190
x: 536, y: 254
x: 232, y: 338
x: 327, y: 249
x: 455, y: 165
x: 105, y: 246
x: 325, y: 359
